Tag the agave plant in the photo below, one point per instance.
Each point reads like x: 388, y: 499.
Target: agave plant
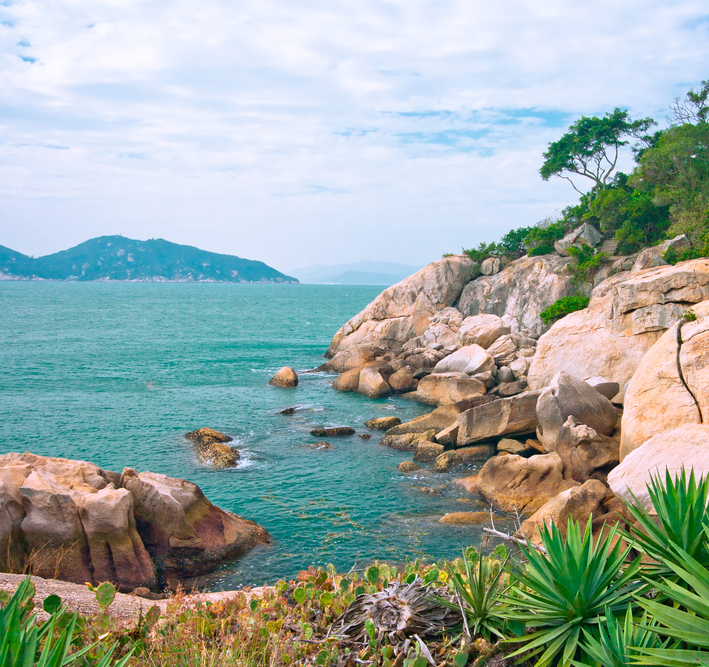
x: 619, y: 644
x: 569, y: 590
x: 682, y: 513
x: 22, y: 635
x: 685, y: 618
x: 479, y: 591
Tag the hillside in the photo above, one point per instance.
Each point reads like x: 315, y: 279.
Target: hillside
x: 120, y: 258
x: 365, y: 272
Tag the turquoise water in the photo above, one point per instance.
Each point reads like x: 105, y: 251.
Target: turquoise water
x: 117, y: 373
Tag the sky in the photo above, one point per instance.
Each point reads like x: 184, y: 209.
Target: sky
x: 304, y: 132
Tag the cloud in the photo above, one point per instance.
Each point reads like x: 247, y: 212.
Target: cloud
x: 275, y: 130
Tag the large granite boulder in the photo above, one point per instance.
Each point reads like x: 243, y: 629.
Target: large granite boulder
x: 567, y: 396
x: 447, y: 388
x: 584, y: 451
x: 372, y: 381
x: 518, y: 293
x: 626, y: 316
x: 579, y: 503
x: 686, y: 447
x: 441, y: 418
x: 525, y: 484
x: 651, y: 257
x: 671, y: 384
x: 585, y: 235
x: 284, y: 377
x: 72, y: 520
x: 516, y: 415
x: 482, y: 330
x: 402, y: 311
x: 470, y: 359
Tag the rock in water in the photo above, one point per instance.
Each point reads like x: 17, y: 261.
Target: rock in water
x: 382, y: 423
x: 285, y: 377
x: 408, y: 466
x: 71, y: 520
x: 211, y: 450
x: 332, y: 432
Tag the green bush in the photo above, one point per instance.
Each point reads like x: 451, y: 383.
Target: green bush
x: 586, y: 264
x: 482, y: 252
x: 564, y: 306
x: 540, y: 241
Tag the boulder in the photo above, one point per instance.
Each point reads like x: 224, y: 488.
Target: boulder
x: 586, y: 235
x: 447, y: 388
x: 520, y: 367
x: 505, y: 375
x: 211, y: 449
x: 285, y: 377
x: 407, y: 442
x: 516, y: 415
x: 402, y: 380
x: 354, y: 357
x: 490, y: 266
x: 517, y: 483
x: 482, y: 330
x: 382, y: 423
x: 402, y: 311
x: 372, y: 382
x: 448, y: 436
x: 651, y: 257
x: 515, y: 447
x: 332, y: 432
x: 578, y: 503
x: 466, y: 518
x: 503, y: 351
x: 183, y: 532
x: 626, y: 316
x: 470, y: 359
x: 506, y: 389
x: 440, y: 418
x: 671, y: 385
x: 454, y: 458
x: 347, y: 381
x: 487, y: 378
x: 205, y: 435
x: 408, y: 466
x: 604, y: 387
x: 426, y: 451
x: 585, y: 452
x: 442, y: 329
x: 470, y: 483
x: 518, y: 293
x: 685, y: 446
x: 568, y: 396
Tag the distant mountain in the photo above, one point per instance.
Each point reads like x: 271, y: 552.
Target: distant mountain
x: 120, y: 258
x: 360, y: 273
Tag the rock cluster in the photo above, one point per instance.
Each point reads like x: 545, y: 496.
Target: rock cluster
x: 211, y: 448
x: 74, y: 521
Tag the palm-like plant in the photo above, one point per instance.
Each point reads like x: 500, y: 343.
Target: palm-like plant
x: 682, y: 513
x: 569, y: 590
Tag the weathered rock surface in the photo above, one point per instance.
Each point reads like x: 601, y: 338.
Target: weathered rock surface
x: 627, y: 314
x: 211, y: 448
x: 651, y: 257
x: 440, y: 418
x: 454, y: 458
x: 578, y: 503
x: 514, y: 482
x: 402, y: 311
x: 568, y: 396
x: 470, y: 359
x: 372, y: 381
x: 516, y: 415
x: 482, y: 330
x: 470, y: 483
x: 407, y: 442
x: 284, y: 377
x: 586, y: 234
x: 332, y: 432
x: 671, y: 385
x: 74, y: 521
x: 447, y: 388
x: 585, y: 452
x: 347, y: 381
x: 408, y: 466
x: 521, y: 291
x: 686, y: 447
x: 382, y: 423
x: 466, y: 518
x: 402, y: 380
x: 426, y: 451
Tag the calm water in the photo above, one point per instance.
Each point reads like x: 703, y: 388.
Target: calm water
x: 116, y: 373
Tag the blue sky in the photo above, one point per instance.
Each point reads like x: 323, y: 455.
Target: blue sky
x: 301, y: 132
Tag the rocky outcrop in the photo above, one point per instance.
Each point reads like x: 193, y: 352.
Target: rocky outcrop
x: 72, y: 520
x: 211, y: 448
x: 525, y: 484
x: 401, y: 312
x: 522, y: 290
x: 626, y: 316
x: 504, y: 417
x: 651, y: 257
x: 284, y: 377
x: 671, y: 385
x: 686, y: 447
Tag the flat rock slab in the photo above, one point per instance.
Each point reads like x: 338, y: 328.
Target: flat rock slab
x: 382, y: 423
x: 332, y: 432
x: 516, y: 415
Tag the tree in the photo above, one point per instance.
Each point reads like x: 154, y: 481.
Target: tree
x: 693, y: 109
x: 591, y: 147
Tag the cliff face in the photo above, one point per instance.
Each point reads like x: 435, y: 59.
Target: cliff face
x: 119, y: 258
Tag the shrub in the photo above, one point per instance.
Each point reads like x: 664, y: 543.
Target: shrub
x: 564, y: 306
x: 587, y: 262
x: 481, y: 253
x: 540, y: 241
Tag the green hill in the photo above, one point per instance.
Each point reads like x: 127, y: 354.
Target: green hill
x: 120, y: 258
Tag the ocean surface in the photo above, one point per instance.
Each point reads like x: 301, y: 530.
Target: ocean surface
x: 117, y: 373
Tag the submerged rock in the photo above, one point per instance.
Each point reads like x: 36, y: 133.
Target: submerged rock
x: 332, y: 432
x: 211, y: 448
x: 408, y: 466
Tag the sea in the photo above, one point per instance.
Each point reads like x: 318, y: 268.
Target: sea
x: 117, y: 374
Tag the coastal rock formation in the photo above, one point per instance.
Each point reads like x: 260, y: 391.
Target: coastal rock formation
x: 402, y: 311
x: 686, y: 447
x: 482, y: 330
x: 671, y: 384
x: 284, y: 377
x: 626, y: 316
x: 585, y: 235
x: 72, y: 520
x: 522, y: 290
x: 447, y: 388
x: 382, y: 423
x: 514, y: 482
x: 470, y: 359
x: 651, y: 257
x: 211, y: 450
x: 462, y: 456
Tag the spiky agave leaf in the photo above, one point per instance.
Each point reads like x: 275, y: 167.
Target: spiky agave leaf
x: 399, y: 611
x: 569, y: 589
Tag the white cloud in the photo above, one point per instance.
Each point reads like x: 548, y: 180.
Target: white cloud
x: 297, y: 131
